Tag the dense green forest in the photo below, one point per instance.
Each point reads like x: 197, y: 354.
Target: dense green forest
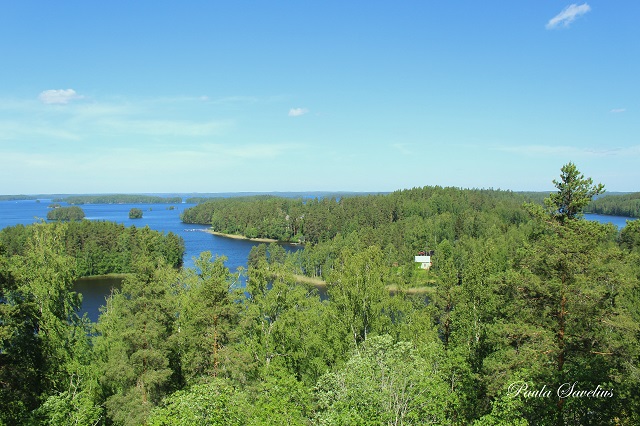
x: 119, y: 199
x: 532, y: 318
x: 97, y: 247
x: 617, y: 205
x: 66, y: 213
x: 320, y: 220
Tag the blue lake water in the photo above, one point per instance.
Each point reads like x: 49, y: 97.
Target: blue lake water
x: 159, y: 218
x: 155, y: 216
x: 619, y: 221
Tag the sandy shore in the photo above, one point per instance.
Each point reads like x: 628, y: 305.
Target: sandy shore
x: 241, y: 237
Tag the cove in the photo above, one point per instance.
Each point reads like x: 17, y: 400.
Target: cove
x: 95, y: 291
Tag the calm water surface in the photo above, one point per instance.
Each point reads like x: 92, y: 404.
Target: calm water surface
x: 159, y: 218
x: 619, y: 221
x: 155, y: 216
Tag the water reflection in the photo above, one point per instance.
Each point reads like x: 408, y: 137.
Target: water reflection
x: 95, y: 291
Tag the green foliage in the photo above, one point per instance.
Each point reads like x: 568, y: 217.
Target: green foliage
x: 320, y: 220
x: 21, y: 352
x: 73, y: 406
x: 505, y: 410
x: 138, y: 359
x: 357, y: 291
x: 209, y: 316
x: 285, y: 326
x: 630, y: 235
x: 386, y: 382
x: 210, y: 404
x: 103, y: 247
x: 515, y: 294
x: 40, y: 332
x: 560, y: 318
x: 135, y: 213
x: 66, y: 214
x: 574, y: 193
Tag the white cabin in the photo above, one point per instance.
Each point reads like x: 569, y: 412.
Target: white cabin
x: 424, y: 261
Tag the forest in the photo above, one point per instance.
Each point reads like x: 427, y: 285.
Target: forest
x: 98, y: 247
x: 531, y: 316
x: 617, y: 205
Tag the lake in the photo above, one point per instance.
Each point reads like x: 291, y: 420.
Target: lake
x: 156, y: 216
x: 160, y: 218
x: 619, y: 221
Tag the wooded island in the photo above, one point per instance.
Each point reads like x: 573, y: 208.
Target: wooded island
x: 532, y: 316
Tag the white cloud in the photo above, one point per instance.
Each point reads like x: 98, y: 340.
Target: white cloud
x: 567, y: 16
x: 617, y: 110
x: 61, y: 96
x: 297, y: 112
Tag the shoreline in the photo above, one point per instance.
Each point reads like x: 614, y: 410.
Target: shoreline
x: 109, y: 276
x: 242, y: 237
x: 320, y: 284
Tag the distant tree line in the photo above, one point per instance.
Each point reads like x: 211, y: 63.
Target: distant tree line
x: 293, y: 195
x: 119, y: 199
x: 17, y: 197
x: 617, y: 205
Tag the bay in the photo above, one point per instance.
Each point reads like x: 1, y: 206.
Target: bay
x: 619, y: 221
x: 159, y: 217
x: 156, y: 216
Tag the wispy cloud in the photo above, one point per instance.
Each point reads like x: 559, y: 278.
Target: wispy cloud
x: 404, y: 148
x: 62, y: 96
x: 617, y: 110
x: 565, y: 150
x: 17, y: 131
x: 297, y: 112
x: 567, y: 16
x: 255, y: 150
x: 162, y: 127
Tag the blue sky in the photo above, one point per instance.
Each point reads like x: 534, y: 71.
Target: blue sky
x: 211, y: 96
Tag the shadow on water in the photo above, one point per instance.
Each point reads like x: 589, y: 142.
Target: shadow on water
x: 95, y: 291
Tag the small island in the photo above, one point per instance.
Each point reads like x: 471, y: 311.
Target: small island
x: 135, y: 213
x: 66, y: 214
